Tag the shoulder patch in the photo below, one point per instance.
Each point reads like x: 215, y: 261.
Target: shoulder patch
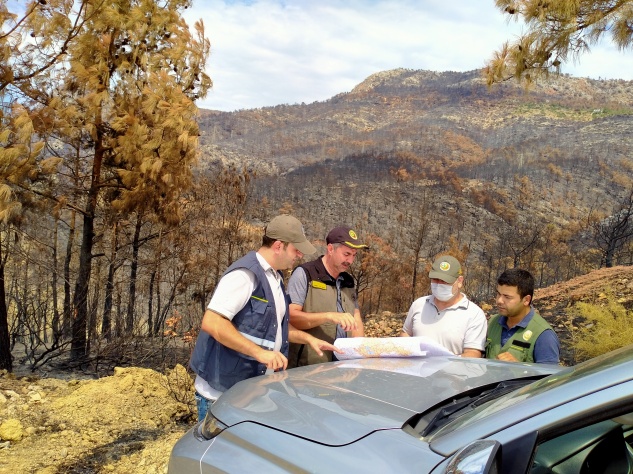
x: 318, y: 284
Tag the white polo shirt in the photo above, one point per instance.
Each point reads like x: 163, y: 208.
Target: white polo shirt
x: 458, y: 327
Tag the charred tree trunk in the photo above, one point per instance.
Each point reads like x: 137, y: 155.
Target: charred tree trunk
x: 78, y: 346
x: 67, y: 317
x: 56, y: 316
x: 6, y: 361
x: 129, y: 319
x: 106, y: 323
x: 150, y: 308
x: 79, y: 315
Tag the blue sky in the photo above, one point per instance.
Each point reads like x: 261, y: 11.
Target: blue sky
x: 271, y: 52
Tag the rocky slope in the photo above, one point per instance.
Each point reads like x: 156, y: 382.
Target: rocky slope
x: 410, y: 150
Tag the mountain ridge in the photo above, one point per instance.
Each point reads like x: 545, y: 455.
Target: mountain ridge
x: 523, y: 173
x: 397, y: 100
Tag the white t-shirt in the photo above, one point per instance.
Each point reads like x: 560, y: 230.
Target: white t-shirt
x: 458, y: 327
x: 231, y: 295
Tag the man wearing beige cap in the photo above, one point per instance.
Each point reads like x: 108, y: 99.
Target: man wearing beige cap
x: 447, y: 316
x: 323, y: 296
x: 245, y: 329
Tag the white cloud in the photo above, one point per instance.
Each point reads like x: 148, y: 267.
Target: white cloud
x: 270, y: 52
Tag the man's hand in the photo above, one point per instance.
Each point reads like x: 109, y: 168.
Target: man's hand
x: 319, y: 345
x: 223, y: 331
x: 274, y: 360
x: 345, y: 320
x: 507, y: 357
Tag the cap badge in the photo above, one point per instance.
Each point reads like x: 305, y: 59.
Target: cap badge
x: 352, y: 234
x: 527, y: 335
x: 445, y: 266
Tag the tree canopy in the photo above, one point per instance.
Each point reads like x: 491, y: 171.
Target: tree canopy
x: 558, y: 31
x: 98, y: 117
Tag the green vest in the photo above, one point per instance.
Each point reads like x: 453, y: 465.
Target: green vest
x: 521, y: 344
x: 320, y: 298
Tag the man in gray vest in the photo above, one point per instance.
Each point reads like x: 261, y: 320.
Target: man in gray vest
x: 518, y: 333
x: 245, y: 329
x: 323, y: 297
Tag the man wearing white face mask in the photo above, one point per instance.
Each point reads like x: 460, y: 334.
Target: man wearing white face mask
x: 447, y: 316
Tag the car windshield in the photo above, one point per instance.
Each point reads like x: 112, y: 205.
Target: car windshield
x: 456, y: 407
x: 490, y: 406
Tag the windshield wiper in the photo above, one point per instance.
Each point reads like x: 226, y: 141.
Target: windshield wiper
x: 445, y: 413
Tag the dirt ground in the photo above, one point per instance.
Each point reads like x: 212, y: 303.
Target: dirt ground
x: 127, y: 422
x: 124, y: 423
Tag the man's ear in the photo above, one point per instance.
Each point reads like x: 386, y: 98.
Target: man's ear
x: 527, y: 300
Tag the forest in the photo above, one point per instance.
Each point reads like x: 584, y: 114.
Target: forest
x: 122, y: 204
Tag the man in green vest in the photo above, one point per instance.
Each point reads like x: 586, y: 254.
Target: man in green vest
x: 518, y: 333
x: 323, y: 297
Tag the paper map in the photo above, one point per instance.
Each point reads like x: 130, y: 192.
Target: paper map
x: 368, y: 347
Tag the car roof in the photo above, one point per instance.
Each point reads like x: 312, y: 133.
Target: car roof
x: 338, y: 403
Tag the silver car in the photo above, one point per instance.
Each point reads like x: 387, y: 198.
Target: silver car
x: 421, y: 415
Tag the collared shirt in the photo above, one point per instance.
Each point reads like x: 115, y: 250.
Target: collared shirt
x: 235, y: 289
x: 231, y: 294
x: 458, y: 327
x: 546, y: 347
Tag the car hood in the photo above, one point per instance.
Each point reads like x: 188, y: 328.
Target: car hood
x: 338, y: 403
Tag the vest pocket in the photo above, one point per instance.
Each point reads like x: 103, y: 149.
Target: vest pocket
x: 235, y: 368
x: 259, y: 307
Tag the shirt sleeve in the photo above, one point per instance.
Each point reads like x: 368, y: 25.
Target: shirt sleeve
x: 547, y: 348
x: 232, y: 293
x: 298, y: 287
x: 408, y: 322
x: 475, y: 337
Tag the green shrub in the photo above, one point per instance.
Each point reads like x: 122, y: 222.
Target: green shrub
x: 609, y: 326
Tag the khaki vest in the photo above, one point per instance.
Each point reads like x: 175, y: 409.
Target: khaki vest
x: 321, y: 297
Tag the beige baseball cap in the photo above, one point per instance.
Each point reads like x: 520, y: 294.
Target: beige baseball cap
x: 289, y: 229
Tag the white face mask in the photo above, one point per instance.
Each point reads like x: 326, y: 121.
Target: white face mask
x: 442, y: 292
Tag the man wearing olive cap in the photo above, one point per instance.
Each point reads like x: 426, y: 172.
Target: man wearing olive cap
x: 245, y: 329
x: 447, y: 316
x: 323, y: 297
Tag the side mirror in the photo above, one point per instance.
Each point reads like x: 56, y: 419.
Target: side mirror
x: 478, y: 457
